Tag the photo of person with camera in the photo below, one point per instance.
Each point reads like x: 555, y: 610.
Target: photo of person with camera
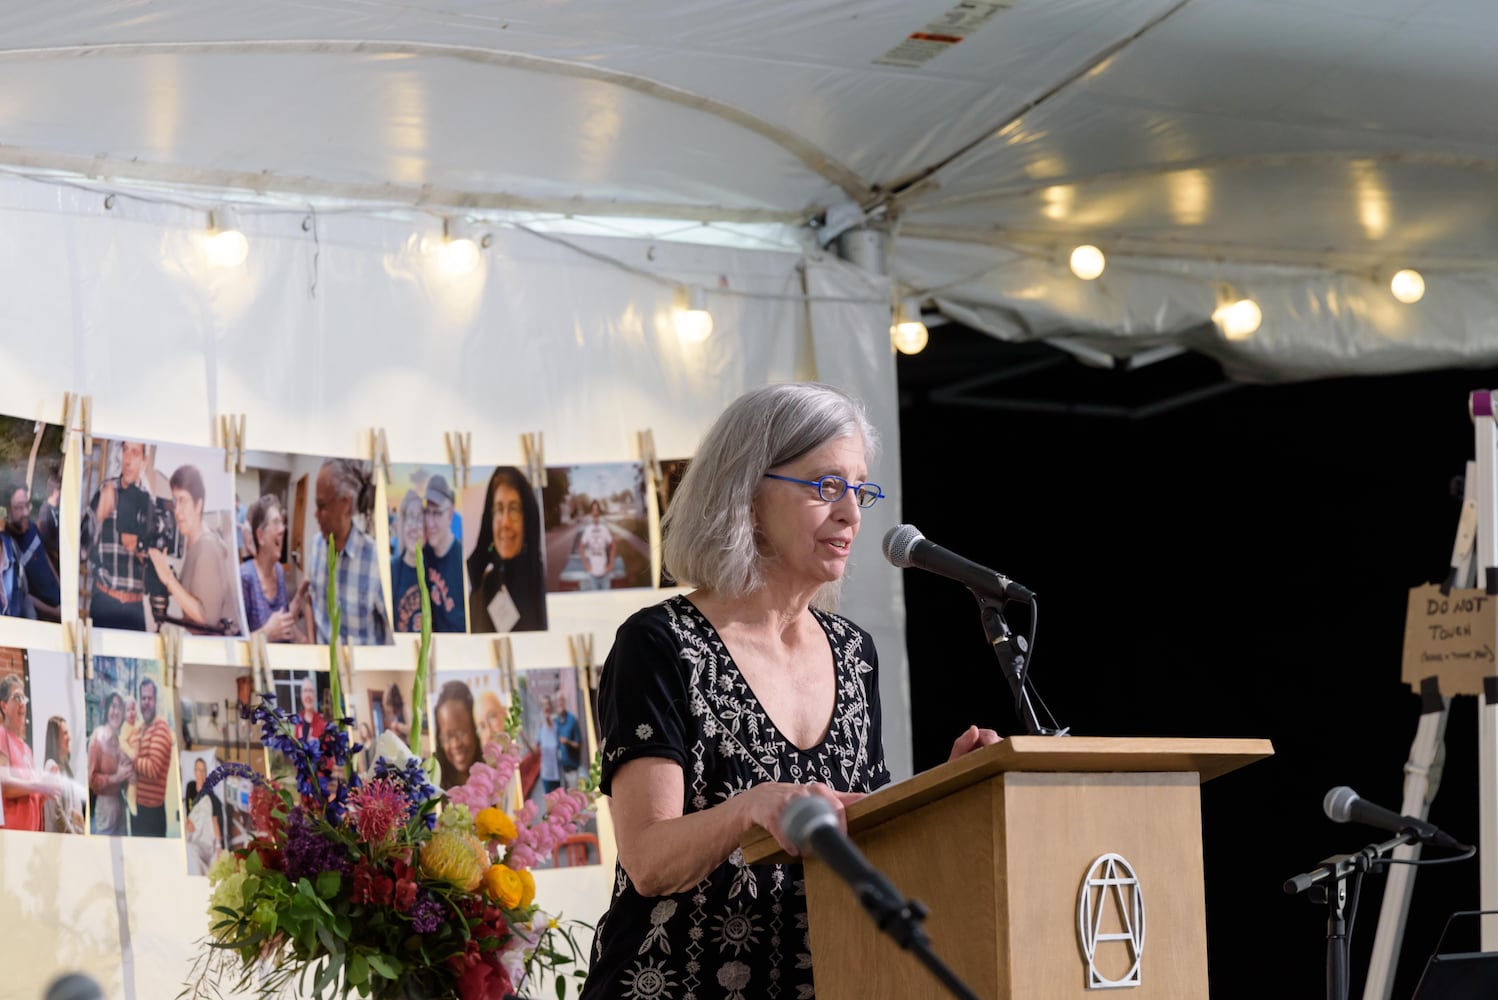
x: 156, y: 549
x: 115, y: 525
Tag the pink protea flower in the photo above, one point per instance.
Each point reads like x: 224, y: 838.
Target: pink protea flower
x: 379, y: 810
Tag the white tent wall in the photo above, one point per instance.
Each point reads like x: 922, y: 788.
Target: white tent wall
x: 337, y: 323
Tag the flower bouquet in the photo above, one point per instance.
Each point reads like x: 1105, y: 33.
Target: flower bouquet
x: 381, y: 885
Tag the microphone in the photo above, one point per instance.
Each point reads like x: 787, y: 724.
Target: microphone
x: 810, y: 823
x: 1343, y: 805
x: 905, y: 546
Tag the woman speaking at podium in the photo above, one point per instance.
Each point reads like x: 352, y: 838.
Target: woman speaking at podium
x: 719, y: 707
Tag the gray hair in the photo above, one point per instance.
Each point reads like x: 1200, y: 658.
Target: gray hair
x: 353, y: 479
x: 707, y: 534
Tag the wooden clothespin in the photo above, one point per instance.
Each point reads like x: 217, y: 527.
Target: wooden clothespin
x: 70, y: 404
x: 581, y: 648
x: 80, y: 639
x: 231, y: 436
x: 459, y: 451
x: 171, y: 654
x: 646, y: 441
x: 504, y: 661
x: 535, y: 458
x: 381, y: 455
x: 260, y: 661
x: 85, y: 420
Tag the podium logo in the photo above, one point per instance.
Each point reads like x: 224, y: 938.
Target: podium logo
x: 1110, y: 923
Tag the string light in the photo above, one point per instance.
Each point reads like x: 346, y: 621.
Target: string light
x: 226, y: 246
x: 907, y: 332
x: 1087, y: 262
x: 459, y: 254
x: 694, y: 323
x: 1238, y: 318
x: 1408, y: 286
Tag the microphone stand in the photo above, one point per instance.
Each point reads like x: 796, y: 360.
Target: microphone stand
x: 1012, y: 651
x: 1340, y: 909
x: 901, y: 920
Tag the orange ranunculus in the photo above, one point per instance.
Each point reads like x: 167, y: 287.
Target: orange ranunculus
x: 494, y: 822
x: 528, y: 892
x: 504, y: 885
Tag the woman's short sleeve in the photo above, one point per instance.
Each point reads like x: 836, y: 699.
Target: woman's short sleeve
x: 643, y: 701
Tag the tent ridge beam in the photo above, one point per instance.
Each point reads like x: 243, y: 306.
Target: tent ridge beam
x: 1044, y: 243
x: 102, y: 169
x: 1350, y: 157
x: 808, y: 153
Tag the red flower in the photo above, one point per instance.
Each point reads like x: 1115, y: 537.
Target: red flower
x: 363, y: 888
x: 484, y: 980
x: 405, y: 895
x: 383, y: 890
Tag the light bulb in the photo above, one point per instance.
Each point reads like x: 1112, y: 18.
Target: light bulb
x: 1238, y: 320
x: 694, y: 323
x: 1087, y: 262
x: 459, y: 256
x: 1407, y: 286
x: 227, y: 248
x: 909, y: 336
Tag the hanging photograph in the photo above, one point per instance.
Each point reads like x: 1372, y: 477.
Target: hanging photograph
x: 206, y: 820
x: 274, y: 500
x: 157, y: 539
x: 597, y: 528
x: 504, y: 551
x: 131, y: 748
x: 41, y: 708
x: 557, y: 753
x: 209, y: 700
x: 425, y: 515
x: 380, y: 702
x: 343, y: 511
x: 468, y: 713
x: 31, y: 478
x: 307, y: 695
x: 208, y: 703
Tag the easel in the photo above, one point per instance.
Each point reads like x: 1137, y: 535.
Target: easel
x: 1476, y: 542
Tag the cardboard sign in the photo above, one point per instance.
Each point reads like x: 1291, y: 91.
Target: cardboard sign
x: 1450, y: 637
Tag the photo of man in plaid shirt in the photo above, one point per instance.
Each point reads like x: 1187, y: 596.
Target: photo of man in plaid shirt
x: 344, y: 488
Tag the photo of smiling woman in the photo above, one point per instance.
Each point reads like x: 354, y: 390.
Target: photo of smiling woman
x: 506, y: 565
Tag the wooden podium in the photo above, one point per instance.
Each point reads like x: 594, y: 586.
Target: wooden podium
x: 1007, y: 847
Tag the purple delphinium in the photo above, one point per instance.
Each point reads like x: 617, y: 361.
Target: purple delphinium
x: 309, y: 853
x: 413, y: 784
x: 316, y: 760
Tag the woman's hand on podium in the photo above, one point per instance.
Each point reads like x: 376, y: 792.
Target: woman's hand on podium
x: 971, y: 739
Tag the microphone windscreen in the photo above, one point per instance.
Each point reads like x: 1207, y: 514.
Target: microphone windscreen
x: 898, y: 541
x: 1338, y: 804
x: 804, y: 816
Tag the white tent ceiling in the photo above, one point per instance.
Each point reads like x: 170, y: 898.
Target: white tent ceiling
x: 1294, y: 149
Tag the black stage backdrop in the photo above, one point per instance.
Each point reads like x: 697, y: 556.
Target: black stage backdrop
x: 1236, y: 566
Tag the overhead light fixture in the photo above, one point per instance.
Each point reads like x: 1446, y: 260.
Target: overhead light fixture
x: 1237, y: 317
x: 1408, y: 286
x: 459, y: 253
x: 226, y: 246
x: 1087, y: 262
x: 908, y: 333
x: 694, y: 323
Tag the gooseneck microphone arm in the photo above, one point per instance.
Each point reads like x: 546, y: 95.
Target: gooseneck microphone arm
x: 1012, y: 652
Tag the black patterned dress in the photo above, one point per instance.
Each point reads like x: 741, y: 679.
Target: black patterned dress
x: 670, y: 689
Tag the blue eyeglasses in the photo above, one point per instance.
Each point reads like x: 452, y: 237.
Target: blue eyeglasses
x: 832, y: 488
